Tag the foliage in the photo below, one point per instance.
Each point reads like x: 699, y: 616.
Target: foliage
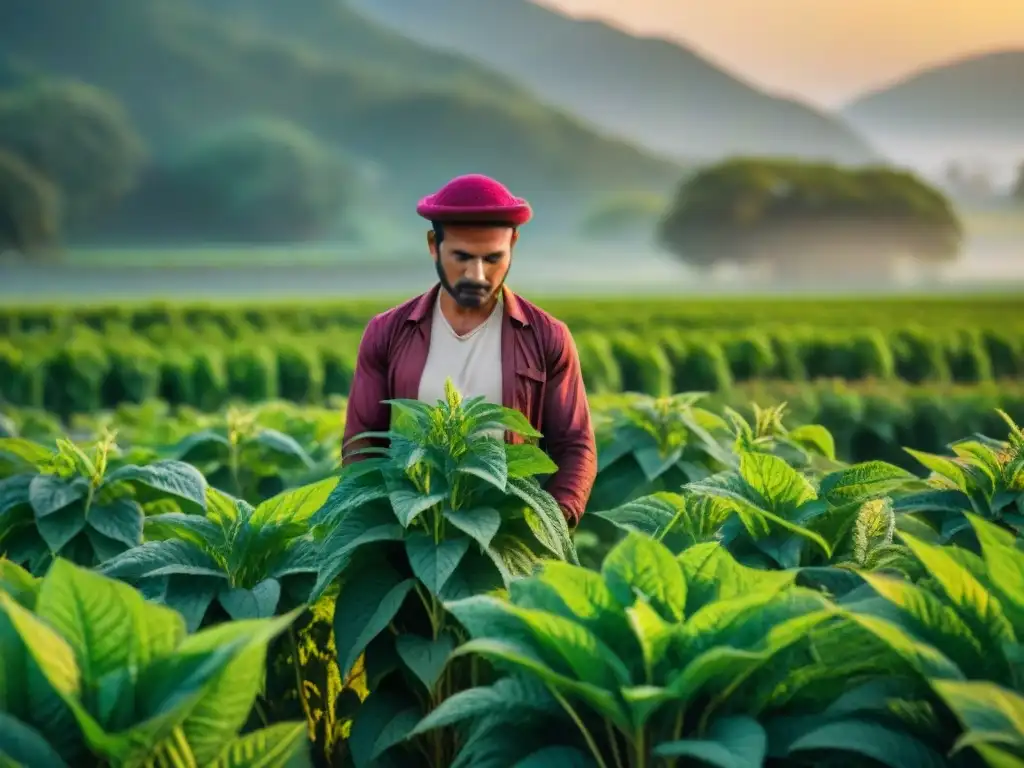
x: 814, y: 215
x: 78, y: 137
x: 30, y: 208
x: 624, y: 215
x: 266, y: 180
x: 94, y: 675
x: 446, y: 510
x: 83, y: 507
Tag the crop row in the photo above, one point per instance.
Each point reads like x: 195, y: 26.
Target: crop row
x: 869, y: 420
x: 239, y: 319
x: 85, y: 371
x: 739, y: 597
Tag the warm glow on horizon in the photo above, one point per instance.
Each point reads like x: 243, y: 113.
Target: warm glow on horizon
x: 822, y: 50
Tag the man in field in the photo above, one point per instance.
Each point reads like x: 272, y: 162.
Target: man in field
x: 472, y: 328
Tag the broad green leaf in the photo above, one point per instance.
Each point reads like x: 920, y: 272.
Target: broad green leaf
x: 260, y: 602
x: 893, y: 748
x: 27, y: 454
x: 283, y: 745
x: 433, y: 564
x: 649, y: 515
x: 48, y: 493
x: 19, y: 584
x: 486, y: 459
x: 921, y: 656
x: 14, y: 491
x: 59, y: 528
x: 862, y: 482
x: 946, y: 467
x: 283, y: 445
x: 26, y: 746
x: 424, y: 656
x: 815, y: 437
x: 107, y: 624
x: 384, y: 720
x: 164, y: 478
x: 359, y: 484
x: 408, y: 503
x: 711, y: 574
x: 479, y: 523
x: 731, y: 742
x: 195, y: 529
x: 545, y: 518
x: 121, y: 519
x: 931, y: 620
x: 162, y: 558
x: 1004, y: 563
x: 361, y: 526
x: 228, y: 697
x: 562, y: 642
x: 508, y: 694
x: 989, y: 712
x: 294, y: 505
x: 640, y: 565
x: 582, y: 595
x: 525, y: 460
x: 979, y: 609
x: 364, y: 609
x: 781, y: 486
x: 652, y: 632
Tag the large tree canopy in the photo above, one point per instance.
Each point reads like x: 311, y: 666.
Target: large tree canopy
x: 808, y: 218
x: 77, y: 136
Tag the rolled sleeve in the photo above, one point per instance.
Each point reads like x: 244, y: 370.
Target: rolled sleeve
x: 365, y: 411
x: 568, y: 431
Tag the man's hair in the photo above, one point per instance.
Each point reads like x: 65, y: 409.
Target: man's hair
x: 438, y: 227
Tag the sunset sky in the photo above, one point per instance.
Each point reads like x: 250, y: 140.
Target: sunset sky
x: 822, y: 50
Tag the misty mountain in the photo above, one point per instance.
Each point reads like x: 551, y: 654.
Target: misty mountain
x: 419, y: 116
x: 650, y: 91
x: 970, y: 106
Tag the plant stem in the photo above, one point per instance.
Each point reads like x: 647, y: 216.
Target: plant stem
x: 614, y: 742
x: 300, y: 683
x: 591, y: 744
x: 640, y: 745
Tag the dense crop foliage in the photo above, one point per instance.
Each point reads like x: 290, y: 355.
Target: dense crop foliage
x: 739, y: 593
x: 81, y: 371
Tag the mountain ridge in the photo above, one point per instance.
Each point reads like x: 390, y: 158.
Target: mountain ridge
x: 693, y: 109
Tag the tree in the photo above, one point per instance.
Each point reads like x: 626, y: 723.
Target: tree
x: 254, y: 180
x: 79, y: 137
x: 29, y: 208
x: 809, y: 219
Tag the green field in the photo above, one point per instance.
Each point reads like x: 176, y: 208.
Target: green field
x: 813, y: 562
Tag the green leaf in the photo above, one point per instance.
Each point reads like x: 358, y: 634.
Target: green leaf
x: 25, y: 745
x: 989, y: 712
x: 177, y: 479
x: 60, y: 527
x: 557, y: 757
x: 486, y: 459
x: 384, y: 720
x: 283, y: 745
x: 25, y: 453
x: 425, y: 657
x: 814, y: 437
x: 295, y: 505
x: 361, y: 526
x: 731, y: 742
x: 781, y: 486
x: 260, y: 602
x: 525, y: 460
x: 358, y: 485
x: 364, y: 609
x: 545, y: 518
x: 520, y: 695
x: 640, y: 565
x: 283, y: 446
x: 14, y: 491
x: 711, y: 573
x: 121, y: 520
x: 979, y: 609
x: 889, y: 747
x: 408, y: 503
x: 1004, y: 563
x: 862, y: 482
x: 480, y: 523
x: 648, y: 515
x: 433, y: 564
x: 48, y: 493
x: 943, y: 466
x: 162, y: 558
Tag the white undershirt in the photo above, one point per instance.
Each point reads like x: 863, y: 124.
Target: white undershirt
x: 472, y: 361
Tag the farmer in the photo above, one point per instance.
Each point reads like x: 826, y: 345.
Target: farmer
x: 472, y: 328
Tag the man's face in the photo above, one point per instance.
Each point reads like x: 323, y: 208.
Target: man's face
x: 473, y: 261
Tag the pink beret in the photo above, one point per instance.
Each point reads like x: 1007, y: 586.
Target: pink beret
x: 474, y: 197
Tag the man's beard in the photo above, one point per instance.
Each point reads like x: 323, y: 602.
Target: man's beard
x: 468, y: 294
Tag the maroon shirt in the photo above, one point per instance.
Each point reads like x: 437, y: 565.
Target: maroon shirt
x: 541, y: 378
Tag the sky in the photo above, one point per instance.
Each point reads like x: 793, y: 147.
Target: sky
x: 824, y: 51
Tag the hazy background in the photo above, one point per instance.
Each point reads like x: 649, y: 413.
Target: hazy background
x: 242, y: 147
